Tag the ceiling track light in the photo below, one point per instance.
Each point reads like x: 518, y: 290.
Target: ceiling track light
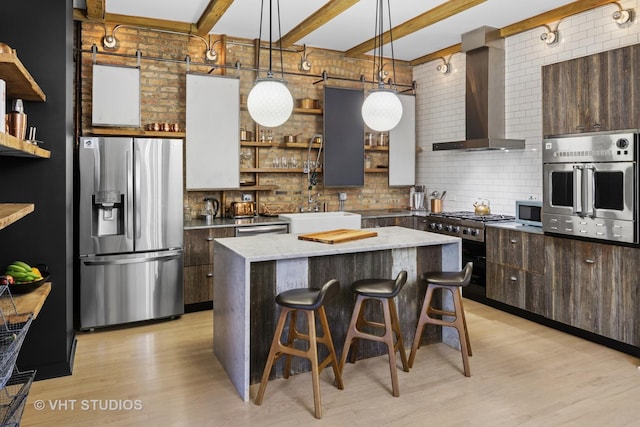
x: 550, y: 36
x: 382, y: 109
x: 109, y: 41
x: 622, y: 16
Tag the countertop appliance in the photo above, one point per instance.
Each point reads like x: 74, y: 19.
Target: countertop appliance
x: 130, y: 230
x: 590, y: 186
x: 529, y: 212
x: 471, y: 228
x: 242, y: 209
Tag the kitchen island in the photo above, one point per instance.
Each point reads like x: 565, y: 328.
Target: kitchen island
x: 250, y: 271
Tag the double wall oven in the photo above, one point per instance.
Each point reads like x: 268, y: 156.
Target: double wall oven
x: 471, y: 228
x: 591, y: 186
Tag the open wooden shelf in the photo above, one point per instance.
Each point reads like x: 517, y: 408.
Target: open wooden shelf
x: 12, y: 146
x: 296, y: 110
x: 33, y: 301
x: 303, y: 145
x: 20, y: 84
x: 135, y: 132
x: 275, y: 170
x: 12, y: 212
x: 376, y: 148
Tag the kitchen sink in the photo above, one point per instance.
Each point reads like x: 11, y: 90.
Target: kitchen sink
x: 312, y: 222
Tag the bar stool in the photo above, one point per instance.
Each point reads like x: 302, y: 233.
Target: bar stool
x: 453, y: 282
x: 383, y: 290
x: 308, y: 300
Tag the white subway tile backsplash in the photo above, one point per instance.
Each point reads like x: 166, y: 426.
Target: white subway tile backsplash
x: 503, y: 177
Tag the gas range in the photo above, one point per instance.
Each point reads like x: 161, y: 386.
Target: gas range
x: 466, y: 225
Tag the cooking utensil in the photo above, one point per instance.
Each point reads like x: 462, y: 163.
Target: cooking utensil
x: 435, y: 194
x: 444, y: 193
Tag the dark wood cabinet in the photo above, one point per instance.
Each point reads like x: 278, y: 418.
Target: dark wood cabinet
x: 389, y: 221
x: 595, y: 287
x: 198, y: 263
x: 515, y: 269
x: 592, y: 93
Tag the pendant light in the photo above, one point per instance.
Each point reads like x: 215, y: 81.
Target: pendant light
x: 382, y: 109
x: 269, y: 102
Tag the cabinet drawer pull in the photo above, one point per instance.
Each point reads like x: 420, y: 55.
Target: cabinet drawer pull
x: 209, y: 274
x: 589, y: 261
x: 514, y: 241
x: 597, y: 125
x: 513, y: 278
x: 580, y: 127
x: 209, y: 239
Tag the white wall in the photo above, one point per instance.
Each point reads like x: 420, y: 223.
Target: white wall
x: 503, y: 177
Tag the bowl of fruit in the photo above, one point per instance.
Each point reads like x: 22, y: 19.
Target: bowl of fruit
x: 22, y: 278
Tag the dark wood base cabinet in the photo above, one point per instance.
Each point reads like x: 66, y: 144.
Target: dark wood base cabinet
x: 595, y: 287
x: 515, y: 269
x: 389, y: 221
x: 198, y: 263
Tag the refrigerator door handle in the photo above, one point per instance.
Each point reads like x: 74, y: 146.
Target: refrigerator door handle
x: 118, y: 261
x: 128, y: 213
x: 136, y: 190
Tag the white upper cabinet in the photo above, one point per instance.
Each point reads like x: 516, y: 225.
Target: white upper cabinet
x: 212, y: 132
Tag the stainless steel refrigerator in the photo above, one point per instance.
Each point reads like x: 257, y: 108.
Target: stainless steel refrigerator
x: 130, y: 230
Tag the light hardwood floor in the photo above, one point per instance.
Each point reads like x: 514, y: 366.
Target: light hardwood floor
x: 522, y: 374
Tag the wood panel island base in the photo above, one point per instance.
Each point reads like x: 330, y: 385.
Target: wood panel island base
x: 250, y: 271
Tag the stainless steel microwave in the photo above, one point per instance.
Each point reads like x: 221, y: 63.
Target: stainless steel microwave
x: 529, y: 212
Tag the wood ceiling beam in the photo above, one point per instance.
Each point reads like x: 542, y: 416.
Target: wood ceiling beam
x: 552, y: 16
x: 524, y: 25
x: 438, y: 13
x: 320, y: 17
x: 211, y: 15
x: 136, y: 21
x: 96, y: 9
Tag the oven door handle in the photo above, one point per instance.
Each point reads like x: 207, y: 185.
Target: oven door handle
x: 590, y: 191
x: 578, y: 193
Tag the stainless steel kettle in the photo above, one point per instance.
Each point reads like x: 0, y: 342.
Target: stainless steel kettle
x: 210, y: 208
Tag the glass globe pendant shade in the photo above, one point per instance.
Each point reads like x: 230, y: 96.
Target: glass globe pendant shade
x: 382, y: 110
x: 270, y: 103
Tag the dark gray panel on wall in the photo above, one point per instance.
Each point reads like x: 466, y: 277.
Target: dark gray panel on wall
x: 343, y: 137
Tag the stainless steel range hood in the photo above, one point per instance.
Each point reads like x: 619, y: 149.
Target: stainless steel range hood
x: 484, y: 95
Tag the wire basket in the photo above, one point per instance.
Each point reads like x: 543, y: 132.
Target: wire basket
x: 13, y: 329
x: 13, y: 397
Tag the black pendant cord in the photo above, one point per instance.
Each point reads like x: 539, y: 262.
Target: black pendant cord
x: 270, y: 35
x: 280, y: 38
x: 393, y: 57
x: 259, y: 40
x: 376, y: 45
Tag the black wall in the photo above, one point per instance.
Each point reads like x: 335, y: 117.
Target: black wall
x: 42, y: 33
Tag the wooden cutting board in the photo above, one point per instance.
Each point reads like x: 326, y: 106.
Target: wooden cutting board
x: 337, y: 236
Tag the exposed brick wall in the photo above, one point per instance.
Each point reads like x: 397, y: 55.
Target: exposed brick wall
x: 163, y: 100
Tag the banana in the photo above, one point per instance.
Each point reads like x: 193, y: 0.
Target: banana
x: 15, y: 267
x: 24, y: 265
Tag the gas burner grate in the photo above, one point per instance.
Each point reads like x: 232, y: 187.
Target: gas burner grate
x: 468, y: 215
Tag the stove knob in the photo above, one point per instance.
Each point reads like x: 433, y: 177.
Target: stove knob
x: 432, y: 226
x: 466, y: 231
x: 474, y: 232
x: 439, y: 227
x: 447, y: 228
x: 455, y: 229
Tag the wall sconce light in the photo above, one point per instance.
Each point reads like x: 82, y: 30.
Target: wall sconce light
x: 109, y: 41
x: 305, y: 64
x: 445, y: 67
x: 550, y: 36
x: 622, y: 16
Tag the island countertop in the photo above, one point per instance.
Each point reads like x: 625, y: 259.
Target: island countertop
x: 250, y: 271
x: 288, y: 246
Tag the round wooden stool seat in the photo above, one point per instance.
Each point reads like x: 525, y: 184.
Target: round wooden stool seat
x: 449, y: 278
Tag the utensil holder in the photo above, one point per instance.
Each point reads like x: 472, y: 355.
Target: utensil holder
x: 436, y: 205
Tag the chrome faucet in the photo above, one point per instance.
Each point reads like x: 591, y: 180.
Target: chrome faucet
x: 312, y: 176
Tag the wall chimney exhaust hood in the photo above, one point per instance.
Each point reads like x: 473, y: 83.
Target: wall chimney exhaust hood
x: 484, y: 94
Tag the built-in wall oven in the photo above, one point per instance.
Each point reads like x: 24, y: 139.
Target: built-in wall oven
x: 591, y: 186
